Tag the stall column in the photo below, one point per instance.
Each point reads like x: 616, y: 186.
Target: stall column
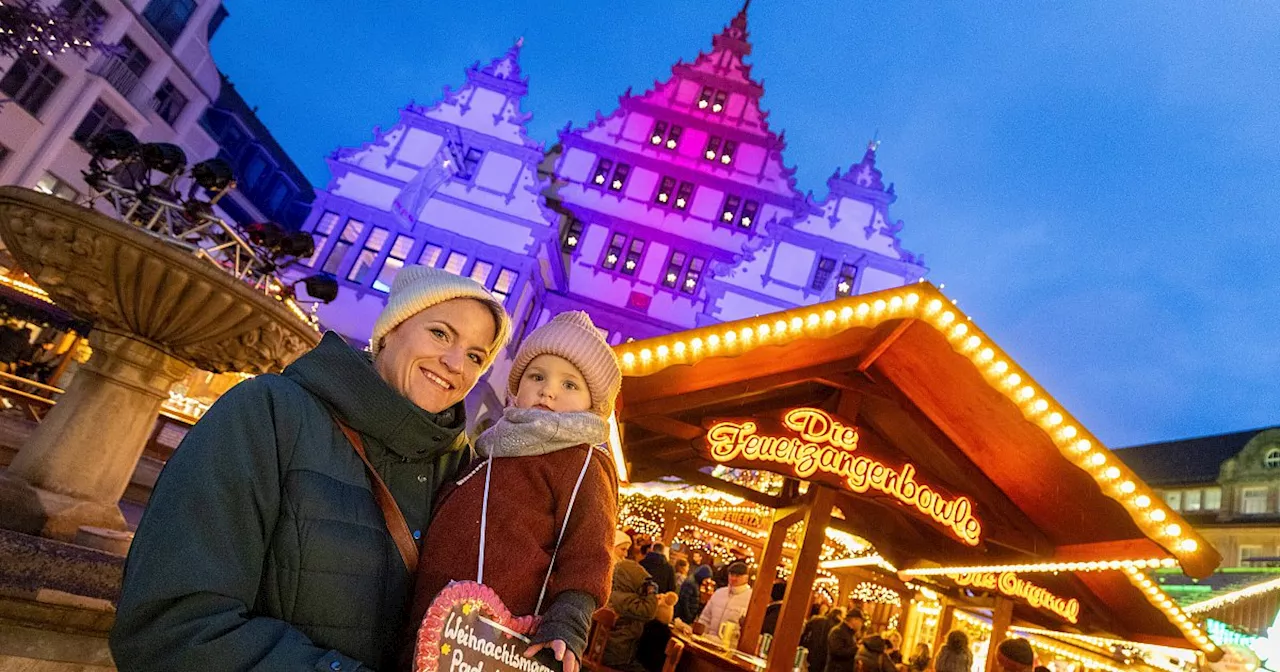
x: 795, y: 606
x: 770, y: 562
x: 1001, y: 619
x: 946, y: 620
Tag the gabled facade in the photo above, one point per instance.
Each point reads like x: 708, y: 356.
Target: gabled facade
x: 674, y: 210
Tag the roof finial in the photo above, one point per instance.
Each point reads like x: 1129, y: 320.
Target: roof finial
x: 520, y: 40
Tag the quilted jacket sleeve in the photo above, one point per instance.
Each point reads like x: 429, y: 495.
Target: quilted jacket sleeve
x: 194, y: 568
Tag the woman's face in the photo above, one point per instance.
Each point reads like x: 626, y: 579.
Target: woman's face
x: 435, y: 357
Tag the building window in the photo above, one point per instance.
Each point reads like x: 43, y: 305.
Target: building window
x: 324, y: 229
x: 456, y: 261
x: 615, y: 175
x: 665, y: 190
x: 1173, y: 500
x: 372, y: 247
x: 430, y: 255
x: 682, y: 271
x: 394, y: 262
x: 680, y: 199
x: 614, y: 252
x: 30, y: 81
x: 572, y: 235
x: 666, y: 135
x: 738, y: 212
x: 1212, y: 499
x: 480, y: 272
x: 619, y: 180
x: 505, y: 283
x: 726, y: 154
x: 844, y: 285
x: 1248, y: 552
x: 50, y: 184
x: 350, y: 234
x: 1191, y: 500
x: 467, y: 160
x: 1253, y: 500
x: 683, y: 195
x: 822, y: 274
x: 134, y: 59
x: 169, y: 17
x: 87, y: 11
x: 1272, y: 460
x: 713, y: 148
x: 169, y: 102
x: 712, y: 98
x: 100, y: 118
x: 603, y: 168
x: 634, y: 252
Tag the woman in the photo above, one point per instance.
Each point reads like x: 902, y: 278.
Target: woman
x: 955, y: 655
x: 263, y: 546
x: 920, y: 659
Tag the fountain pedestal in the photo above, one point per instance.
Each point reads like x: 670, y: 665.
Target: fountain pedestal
x: 157, y: 311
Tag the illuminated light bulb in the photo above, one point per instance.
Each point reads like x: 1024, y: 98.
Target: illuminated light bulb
x: 746, y: 333
x: 1083, y: 445
x: 599, y: 179
x: 846, y: 313
x: 680, y: 202
x: 829, y: 316
x: 1168, y: 562
x: 1040, y: 405
x: 999, y: 368
x: 895, y: 303
x: 813, y: 319
x: 656, y: 139
x: 1114, y: 564
x: 631, y: 265
x: 696, y: 344
x: 959, y: 330
x: 879, y: 305
x: 862, y: 310
x: 671, y: 277
x: 986, y: 354
x: 1188, y: 545
x: 932, y: 307
x: 1128, y: 487
x: 645, y: 355
x: 746, y: 221
x: 1173, y: 530
x: 1157, y: 515
x: 947, y: 318
x: 679, y: 347
x: 717, y: 107
x: 780, y: 326
x: 1012, y: 380
x: 713, y: 341
x: 710, y: 155
x: 762, y: 330
x: 671, y: 144
x: 1097, y: 459
x: 1067, y: 432
x: 628, y: 359
x: 1026, y: 393
x: 1053, y: 419
x: 1112, y: 473
x: 728, y: 217
x: 725, y: 159
x: 702, y: 104
x: 912, y: 300
x: 797, y: 323
x: 617, y: 184
x: 972, y: 342
x: 572, y: 240
x: 663, y: 198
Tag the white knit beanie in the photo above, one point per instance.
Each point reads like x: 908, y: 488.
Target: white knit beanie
x: 417, y: 288
x: 572, y: 336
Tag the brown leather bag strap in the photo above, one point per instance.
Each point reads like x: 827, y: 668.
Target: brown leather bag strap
x: 396, y: 524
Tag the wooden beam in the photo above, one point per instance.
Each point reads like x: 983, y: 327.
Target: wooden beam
x: 669, y: 426
x: 795, y: 606
x: 699, y: 478
x: 1001, y: 619
x: 1127, y: 549
x: 854, y: 383
x: 886, y: 334
x: 731, y: 392
x: 946, y: 619
x: 770, y: 562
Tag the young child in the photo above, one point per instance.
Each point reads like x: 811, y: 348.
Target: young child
x: 534, y: 519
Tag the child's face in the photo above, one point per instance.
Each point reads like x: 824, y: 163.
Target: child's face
x: 553, y: 383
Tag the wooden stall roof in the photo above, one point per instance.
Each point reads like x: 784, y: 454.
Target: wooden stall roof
x: 924, y: 385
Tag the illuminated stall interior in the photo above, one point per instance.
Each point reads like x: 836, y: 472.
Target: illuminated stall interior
x: 968, y: 482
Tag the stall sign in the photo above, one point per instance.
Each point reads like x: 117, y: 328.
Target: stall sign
x: 1011, y: 585
x: 818, y: 446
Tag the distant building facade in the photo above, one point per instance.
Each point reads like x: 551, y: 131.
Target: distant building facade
x: 270, y: 187
x: 158, y: 87
x: 672, y: 211
x: 1227, y: 486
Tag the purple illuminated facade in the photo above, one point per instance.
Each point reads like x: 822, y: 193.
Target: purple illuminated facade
x: 672, y: 211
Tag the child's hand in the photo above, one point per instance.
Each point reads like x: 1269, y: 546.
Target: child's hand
x: 558, y: 647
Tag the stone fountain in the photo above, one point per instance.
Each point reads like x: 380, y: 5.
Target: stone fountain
x: 157, y: 310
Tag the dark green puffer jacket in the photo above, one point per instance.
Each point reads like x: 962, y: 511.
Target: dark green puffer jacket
x: 263, y: 547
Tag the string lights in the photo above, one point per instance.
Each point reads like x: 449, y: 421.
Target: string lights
x: 1176, y: 616
x: 868, y: 591
x: 926, y: 304
x: 1045, y: 567
x: 1233, y: 597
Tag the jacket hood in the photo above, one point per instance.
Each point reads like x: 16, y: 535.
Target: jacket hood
x: 345, y: 380
x: 629, y: 576
x: 702, y: 573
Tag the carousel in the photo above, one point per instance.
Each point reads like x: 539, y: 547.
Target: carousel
x: 881, y: 450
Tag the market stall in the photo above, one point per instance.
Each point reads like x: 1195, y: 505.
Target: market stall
x: 893, y: 418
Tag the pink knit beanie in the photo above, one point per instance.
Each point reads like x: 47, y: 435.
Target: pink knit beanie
x: 571, y: 335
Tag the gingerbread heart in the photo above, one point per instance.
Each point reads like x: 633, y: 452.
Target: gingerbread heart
x: 467, y: 628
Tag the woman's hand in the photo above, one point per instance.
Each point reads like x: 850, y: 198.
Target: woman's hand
x: 560, y: 649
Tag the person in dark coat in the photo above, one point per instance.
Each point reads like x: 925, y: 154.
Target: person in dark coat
x: 263, y: 546
x: 690, y: 602
x: 954, y: 656
x: 776, y: 593
x: 815, y: 634
x: 842, y: 643
x: 655, y: 562
x: 872, y: 656
x: 1015, y: 655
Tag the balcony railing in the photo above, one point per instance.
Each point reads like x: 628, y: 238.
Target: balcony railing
x: 124, y: 80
